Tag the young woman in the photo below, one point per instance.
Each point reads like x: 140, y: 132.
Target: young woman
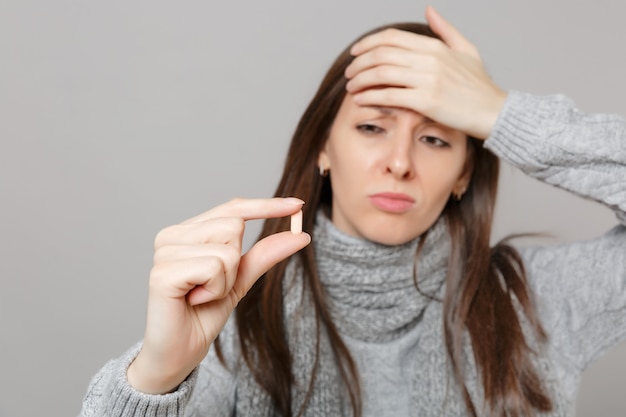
x: 399, y: 306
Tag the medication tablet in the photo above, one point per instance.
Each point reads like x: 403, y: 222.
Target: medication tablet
x: 296, y: 223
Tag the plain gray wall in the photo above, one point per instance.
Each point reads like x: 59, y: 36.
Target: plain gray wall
x: 119, y: 118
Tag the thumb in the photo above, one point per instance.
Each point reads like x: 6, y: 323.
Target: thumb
x: 448, y: 33
x: 265, y: 254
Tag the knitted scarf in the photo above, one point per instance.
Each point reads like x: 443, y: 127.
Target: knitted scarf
x: 372, y: 297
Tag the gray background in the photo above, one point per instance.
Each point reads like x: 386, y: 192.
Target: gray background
x: 119, y: 118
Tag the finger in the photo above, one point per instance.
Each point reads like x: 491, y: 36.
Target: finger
x: 448, y: 33
x: 172, y: 253
x: 413, y: 99
x: 383, y: 55
x: 226, y: 230
x: 386, y: 75
x: 396, y: 38
x: 265, y: 254
x: 251, y: 209
x: 216, y: 273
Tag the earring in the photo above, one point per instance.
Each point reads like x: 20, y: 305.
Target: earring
x: 458, y: 195
x: 323, y: 171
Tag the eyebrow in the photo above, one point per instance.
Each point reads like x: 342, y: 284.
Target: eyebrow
x: 389, y: 111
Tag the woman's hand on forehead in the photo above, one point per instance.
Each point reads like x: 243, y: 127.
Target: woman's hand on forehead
x: 444, y: 80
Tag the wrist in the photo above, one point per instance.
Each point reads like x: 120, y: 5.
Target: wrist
x: 150, y: 379
x: 495, y: 108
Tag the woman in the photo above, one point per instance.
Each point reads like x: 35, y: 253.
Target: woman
x: 399, y: 307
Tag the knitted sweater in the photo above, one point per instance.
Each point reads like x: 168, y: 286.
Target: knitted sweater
x: 398, y: 345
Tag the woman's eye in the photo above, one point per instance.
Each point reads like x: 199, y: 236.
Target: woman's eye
x: 370, y: 129
x: 435, y: 141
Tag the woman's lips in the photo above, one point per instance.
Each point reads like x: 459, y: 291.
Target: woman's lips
x: 392, y: 202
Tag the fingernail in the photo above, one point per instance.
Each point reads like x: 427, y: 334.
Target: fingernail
x: 293, y: 200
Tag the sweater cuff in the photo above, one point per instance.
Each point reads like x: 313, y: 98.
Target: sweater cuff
x: 525, y: 122
x: 126, y: 401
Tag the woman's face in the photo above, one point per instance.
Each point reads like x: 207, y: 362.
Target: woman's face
x: 391, y: 170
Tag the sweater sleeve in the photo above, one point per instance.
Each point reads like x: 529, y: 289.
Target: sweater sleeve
x: 552, y: 141
x: 110, y: 394
x: 209, y: 390
x: 580, y: 287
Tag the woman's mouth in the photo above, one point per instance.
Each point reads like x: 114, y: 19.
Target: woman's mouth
x: 392, y: 202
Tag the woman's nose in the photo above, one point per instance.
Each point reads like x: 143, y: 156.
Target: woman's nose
x: 400, y: 161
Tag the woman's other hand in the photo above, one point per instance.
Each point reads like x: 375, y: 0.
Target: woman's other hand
x: 198, y: 278
x: 445, y: 81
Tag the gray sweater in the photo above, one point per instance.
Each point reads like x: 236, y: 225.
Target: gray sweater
x: 580, y: 289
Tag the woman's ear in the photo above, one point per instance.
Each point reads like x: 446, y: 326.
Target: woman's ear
x: 460, y: 187
x: 323, y: 162
x: 466, y: 175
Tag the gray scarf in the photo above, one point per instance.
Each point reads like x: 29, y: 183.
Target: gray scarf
x: 372, y: 297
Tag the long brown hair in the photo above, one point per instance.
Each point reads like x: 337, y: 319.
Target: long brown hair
x: 486, y: 288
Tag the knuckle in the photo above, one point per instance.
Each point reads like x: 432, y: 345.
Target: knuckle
x: 216, y: 283
x: 213, y: 265
x: 236, y: 225
x: 157, y: 275
x: 391, y: 35
x: 162, y: 252
x: 158, y: 255
x: 383, y: 72
x: 163, y: 236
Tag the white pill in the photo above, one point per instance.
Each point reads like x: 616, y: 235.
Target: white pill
x: 296, y: 223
